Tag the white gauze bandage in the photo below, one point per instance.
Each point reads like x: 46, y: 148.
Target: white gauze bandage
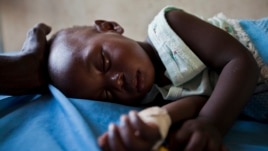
x: 159, y: 117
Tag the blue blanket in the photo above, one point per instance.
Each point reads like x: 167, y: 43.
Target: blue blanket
x: 55, y: 122
x: 258, y: 33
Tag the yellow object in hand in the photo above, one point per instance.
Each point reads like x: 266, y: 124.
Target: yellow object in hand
x: 162, y: 148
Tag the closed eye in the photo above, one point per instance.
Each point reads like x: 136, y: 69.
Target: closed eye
x: 108, y: 95
x: 105, y: 62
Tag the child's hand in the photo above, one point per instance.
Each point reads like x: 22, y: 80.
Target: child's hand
x: 196, y: 135
x: 132, y: 134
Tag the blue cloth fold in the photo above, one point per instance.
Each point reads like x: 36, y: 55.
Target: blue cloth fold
x: 55, y: 122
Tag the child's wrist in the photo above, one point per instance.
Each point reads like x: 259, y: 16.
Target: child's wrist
x: 158, y: 117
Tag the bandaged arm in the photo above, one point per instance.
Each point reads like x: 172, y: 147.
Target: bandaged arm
x: 171, y: 113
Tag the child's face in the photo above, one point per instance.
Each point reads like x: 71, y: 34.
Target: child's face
x: 103, y: 65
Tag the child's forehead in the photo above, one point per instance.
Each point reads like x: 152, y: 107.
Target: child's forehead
x: 74, y: 36
x: 78, y: 28
x: 72, y: 32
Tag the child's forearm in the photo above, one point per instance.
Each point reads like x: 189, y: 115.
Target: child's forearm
x: 221, y: 52
x: 185, y: 108
x: 231, y: 93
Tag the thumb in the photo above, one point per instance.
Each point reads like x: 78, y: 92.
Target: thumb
x: 44, y: 28
x: 36, y: 38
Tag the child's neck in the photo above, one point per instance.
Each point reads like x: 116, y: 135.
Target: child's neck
x: 160, y: 78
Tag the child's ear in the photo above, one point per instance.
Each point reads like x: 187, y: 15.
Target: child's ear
x: 103, y: 26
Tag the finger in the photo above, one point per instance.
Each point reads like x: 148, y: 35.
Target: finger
x: 171, y: 140
x: 130, y: 137
x: 197, y: 143
x: 35, y: 32
x: 127, y: 132
x: 183, y: 135
x: 114, y: 139
x: 43, y: 27
x: 149, y: 133
x: 38, y: 33
x: 103, y: 142
x: 36, y: 38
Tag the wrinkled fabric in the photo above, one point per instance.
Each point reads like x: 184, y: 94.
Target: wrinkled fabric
x: 54, y: 122
x: 57, y: 123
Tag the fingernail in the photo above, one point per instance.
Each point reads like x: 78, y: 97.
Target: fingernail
x: 132, y: 114
x: 111, y: 127
x: 123, y: 118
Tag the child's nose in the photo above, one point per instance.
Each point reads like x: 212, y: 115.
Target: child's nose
x: 117, y: 80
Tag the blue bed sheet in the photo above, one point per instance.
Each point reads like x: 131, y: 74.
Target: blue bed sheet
x: 55, y: 122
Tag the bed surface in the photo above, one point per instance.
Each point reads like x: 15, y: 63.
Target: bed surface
x: 55, y: 122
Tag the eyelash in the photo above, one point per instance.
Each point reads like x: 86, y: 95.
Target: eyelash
x: 108, y: 95
x: 105, y: 68
x: 105, y: 62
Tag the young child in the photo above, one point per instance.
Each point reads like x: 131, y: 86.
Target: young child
x: 205, y: 74
x: 201, y: 75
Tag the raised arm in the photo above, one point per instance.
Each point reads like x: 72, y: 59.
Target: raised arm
x: 25, y: 71
x: 237, y: 68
